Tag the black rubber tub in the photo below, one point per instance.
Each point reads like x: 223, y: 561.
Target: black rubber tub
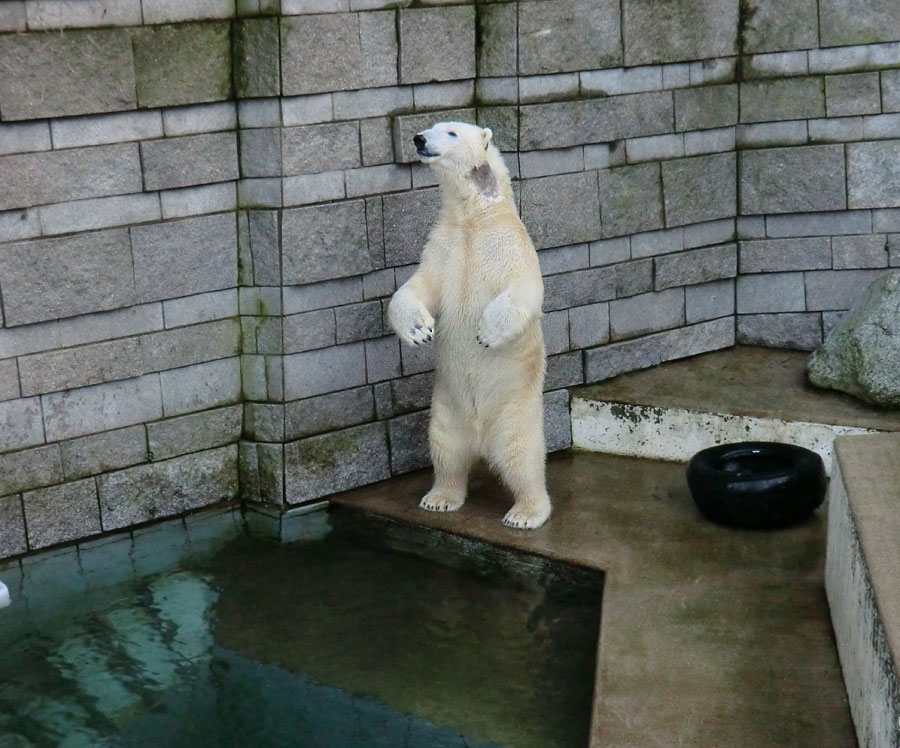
x: 758, y: 485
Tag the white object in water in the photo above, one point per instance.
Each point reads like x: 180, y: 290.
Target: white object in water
x: 4, y: 595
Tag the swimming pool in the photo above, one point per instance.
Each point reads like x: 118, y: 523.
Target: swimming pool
x: 372, y: 633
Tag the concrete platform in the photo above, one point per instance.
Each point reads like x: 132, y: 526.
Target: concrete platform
x: 710, y: 637
x: 673, y: 410
x: 862, y: 569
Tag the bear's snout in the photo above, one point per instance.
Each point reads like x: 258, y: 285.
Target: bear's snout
x: 419, y: 142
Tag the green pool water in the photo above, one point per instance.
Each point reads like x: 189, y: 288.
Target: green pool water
x: 369, y: 634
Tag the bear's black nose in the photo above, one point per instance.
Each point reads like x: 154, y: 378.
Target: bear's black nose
x: 419, y: 141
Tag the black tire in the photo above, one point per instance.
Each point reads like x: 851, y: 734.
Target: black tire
x: 757, y: 485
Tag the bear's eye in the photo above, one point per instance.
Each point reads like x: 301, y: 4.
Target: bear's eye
x: 452, y: 134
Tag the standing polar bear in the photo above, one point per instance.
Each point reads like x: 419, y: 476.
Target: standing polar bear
x: 478, y: 292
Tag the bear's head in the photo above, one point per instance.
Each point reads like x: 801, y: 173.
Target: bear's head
x: 464, y: 155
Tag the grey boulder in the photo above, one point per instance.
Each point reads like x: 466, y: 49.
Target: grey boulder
x: 861, y: 355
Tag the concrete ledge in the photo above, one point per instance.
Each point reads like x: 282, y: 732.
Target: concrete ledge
x: 862, y: 564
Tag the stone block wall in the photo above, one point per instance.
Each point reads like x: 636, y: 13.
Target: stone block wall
x: 206, y: 206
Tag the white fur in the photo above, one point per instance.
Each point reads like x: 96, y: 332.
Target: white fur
x: 478, y: 293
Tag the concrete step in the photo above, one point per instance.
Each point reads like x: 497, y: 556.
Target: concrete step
x: 861, y: 571
x: 672, y: 411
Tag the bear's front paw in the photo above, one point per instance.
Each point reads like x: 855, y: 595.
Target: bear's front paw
x: 410, y: 319
x: 501, y: 322
x: 419, y: 331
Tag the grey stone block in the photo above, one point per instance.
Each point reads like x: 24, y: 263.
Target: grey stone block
x: 504, y: 123
x: 767, y: 134
x: 604, y: 155
x: 41, y: 70
x: 331, y: 412
x: 867, y: 251
x: 110, y: 128
x: 99, y: 213
x: 182, y: 64
x: 320, y: 295
x: 260, y: 152
x: 632, y: 278
x: 12, y: 522
x: 325, y: 370
x: 564, y: 370
x: 162, y: 489
x: 496, y: 49
x: 82, y: 366
x: 195, y: 344
x: 789, y: 180
x: 800, y: 331
x: 200, y: 118
x: 13, y: 18
x: 313, y: 188
x: 554, y: 161
x: 886, y: 220
x: 835, y: 130
x: 327, y: 147
x: 309, y: 330
x: 170, y: 11
x: 201, y: 386
x: 412, y: 392
x: 408, y: 217
x: 56, y: 176
x: 190, y: 160
x: 259, y: 193
x: 890, y: 90
x: 568, y: 35
x: 29, y: 136
x: 820, y: 224
x: 416, y: 360
x: 358, y: 322
x: 30, y: 468
x: 326, y: 464
x: 837, y: 289
x: 791, y: 98
x: 780, y: 255
x: 373, y: 180
x: 306, y: 110
x: 654, y: 148
x: 19, y: 224
x: 856, y: 93
x: 194, y: 432
x: 324, y: 242
x: 9, y: 380
x: 376, y: 141
x: 98, y: 453
x: 711, y: 232
x: 257, y: 70
x: 383, y: 407
x: 203, y: 307
x: 630, y: 355
x: 555, y: 327
x: 775, y: 65
x: 557, y: 421
x: 375, y: 232
x: 184, y: 257
x: 370, y: 102
x: 409, y: 442
x: 654, y: 243
x: 646, y: 313
x: 260, y: 248
x: 49, y: 278
x: 772, y: 292
x: 846, y: 22
x: 561, y: 210
x: 631, y: 199
x: 881, y: 126
x: 570, y: 123
x: 61, y: 513
x: 873, y: 173
x: 443, y: 95
x: 262, y: 422
x: 101, y: 407
x: 672, y: 32
x: 621, y: 80
x: 589, y: 325
x: 18, y: 341
x: 437, y: 44
x: 709, y: 301
x: 558, y: 86
x: 368, y: 52
x: 132, y: 320
x: 610, y: 251
x: 773, y: 25
x: 564, y: 259
x: 579, y: 288
x: 695, y: 266
x: 270, y: 460
x: 706, y: 107
x: 706, y: 72
x: 699, y: 189
x: 259, y: 112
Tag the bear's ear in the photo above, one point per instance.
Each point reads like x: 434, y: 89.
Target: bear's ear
x: 486, y: 135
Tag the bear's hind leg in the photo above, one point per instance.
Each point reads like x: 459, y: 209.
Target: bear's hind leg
x: 518, y: 453
x: 452, y: 443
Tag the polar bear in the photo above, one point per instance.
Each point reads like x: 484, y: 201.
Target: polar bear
x: 478, y: 294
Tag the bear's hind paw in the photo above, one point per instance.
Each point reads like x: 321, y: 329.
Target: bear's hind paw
x: 527, y: 517
x: 441, y: 502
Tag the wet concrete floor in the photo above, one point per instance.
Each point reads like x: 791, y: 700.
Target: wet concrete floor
x: 746, y: 381
x: 709, y: 636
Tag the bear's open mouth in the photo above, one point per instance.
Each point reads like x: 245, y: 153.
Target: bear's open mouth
x: 425, y: 153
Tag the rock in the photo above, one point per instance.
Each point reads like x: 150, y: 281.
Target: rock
x: 860, y: 354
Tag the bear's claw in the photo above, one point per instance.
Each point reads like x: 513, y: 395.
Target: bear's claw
x: 522, y: 518
x: 440, y: 503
